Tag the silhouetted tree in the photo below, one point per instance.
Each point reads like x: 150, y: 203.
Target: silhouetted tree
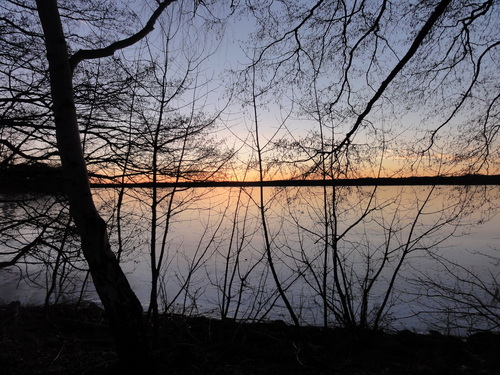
x: 121, y: 304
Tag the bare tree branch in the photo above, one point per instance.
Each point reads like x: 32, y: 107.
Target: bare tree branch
x: 88, y: 54
x: 424, y: 31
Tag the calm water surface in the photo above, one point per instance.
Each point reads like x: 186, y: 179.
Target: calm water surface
x: 435, y: 249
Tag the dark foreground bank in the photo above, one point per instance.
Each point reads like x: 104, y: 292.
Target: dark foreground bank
x: 70, y: 340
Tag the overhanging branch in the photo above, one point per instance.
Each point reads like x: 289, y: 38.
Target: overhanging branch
x: 89, y: 54
x: 436, y: 14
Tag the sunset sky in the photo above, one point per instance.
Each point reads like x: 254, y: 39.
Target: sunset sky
x: 394, y: 138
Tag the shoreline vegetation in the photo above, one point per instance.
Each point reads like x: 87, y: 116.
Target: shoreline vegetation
x: 76, y: 339
x: 45, y: 178
x: 367, y: 181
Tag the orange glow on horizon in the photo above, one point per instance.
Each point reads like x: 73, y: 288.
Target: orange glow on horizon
x: 397, y: 167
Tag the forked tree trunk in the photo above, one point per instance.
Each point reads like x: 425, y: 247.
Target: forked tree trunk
x: 122, y: 307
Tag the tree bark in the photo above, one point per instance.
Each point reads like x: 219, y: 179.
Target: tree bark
x: 122, y: 307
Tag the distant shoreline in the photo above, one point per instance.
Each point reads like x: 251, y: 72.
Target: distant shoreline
x: 51, y: 181
x: 402, y: 181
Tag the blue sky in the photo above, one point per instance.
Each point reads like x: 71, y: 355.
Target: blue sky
x: 401, y: 118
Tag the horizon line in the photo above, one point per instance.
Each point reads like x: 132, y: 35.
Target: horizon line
x: 474, y: 179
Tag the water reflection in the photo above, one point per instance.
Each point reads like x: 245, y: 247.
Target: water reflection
x: 392, y: 256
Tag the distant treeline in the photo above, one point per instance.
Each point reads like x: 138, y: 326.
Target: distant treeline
x: 37, y: 177
x: 46, y: 178
x: 439, y: 180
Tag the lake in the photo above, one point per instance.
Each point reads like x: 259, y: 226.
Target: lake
x: 392, y: 257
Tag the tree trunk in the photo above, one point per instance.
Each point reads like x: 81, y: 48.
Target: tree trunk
x: 122, y: 307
